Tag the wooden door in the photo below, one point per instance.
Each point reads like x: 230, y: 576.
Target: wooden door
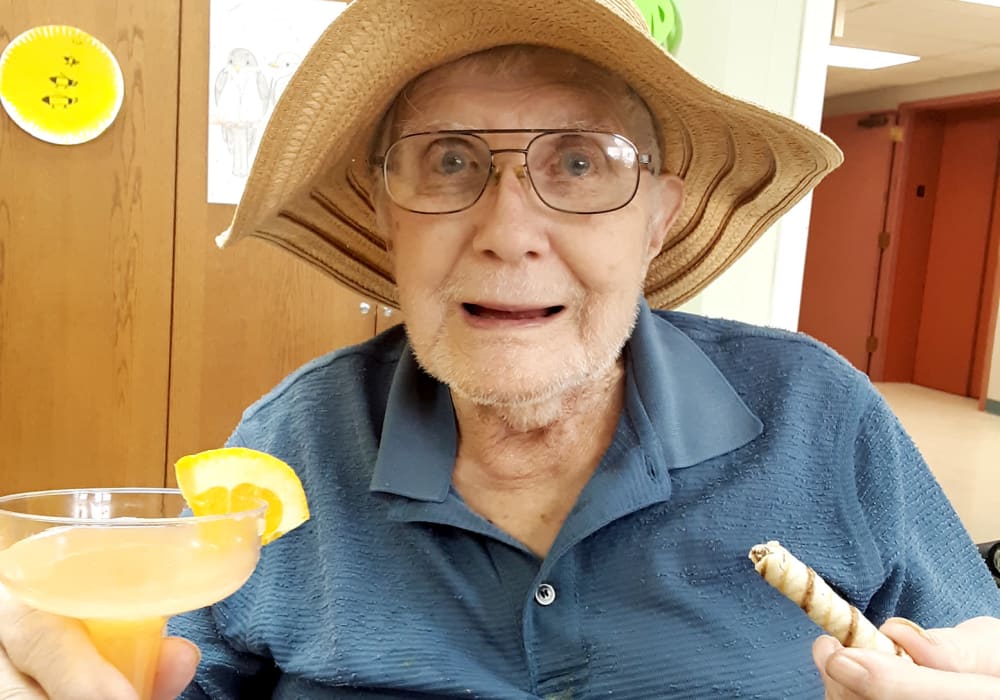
x: 988, y: 342
x: 952, y: 309
x: 246, y: 316
x: 86, y: 241
x: 905, y: 271
x: 387, y: 318
x: 843, y: 255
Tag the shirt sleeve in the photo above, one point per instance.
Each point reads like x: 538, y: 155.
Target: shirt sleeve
x: 933, y: 572
x: 224, y: 672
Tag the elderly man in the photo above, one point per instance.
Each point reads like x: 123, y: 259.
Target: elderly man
x: 544, y: 488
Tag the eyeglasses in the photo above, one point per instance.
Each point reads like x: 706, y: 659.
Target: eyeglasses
x: 571, y: 170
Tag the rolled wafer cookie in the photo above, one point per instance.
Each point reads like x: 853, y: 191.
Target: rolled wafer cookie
x: 800, y: 584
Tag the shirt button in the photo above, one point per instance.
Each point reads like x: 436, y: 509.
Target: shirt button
x: 545, y: 594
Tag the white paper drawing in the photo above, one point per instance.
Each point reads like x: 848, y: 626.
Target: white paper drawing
x: 255, y: 47
x: 242, y: 99
x: 284, y: 66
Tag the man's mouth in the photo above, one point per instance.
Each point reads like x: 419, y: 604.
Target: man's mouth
x: 511, y: 314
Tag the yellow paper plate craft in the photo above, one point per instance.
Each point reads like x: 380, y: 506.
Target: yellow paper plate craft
x: 60, y: 84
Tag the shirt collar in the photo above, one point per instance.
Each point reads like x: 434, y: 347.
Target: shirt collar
x: 692, y: 411
x: 417, y: 451
x: 682, y: 407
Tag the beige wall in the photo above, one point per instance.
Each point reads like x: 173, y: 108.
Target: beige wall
x: 771, y: 52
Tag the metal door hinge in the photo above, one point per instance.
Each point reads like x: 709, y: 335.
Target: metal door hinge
x: 883, y: 240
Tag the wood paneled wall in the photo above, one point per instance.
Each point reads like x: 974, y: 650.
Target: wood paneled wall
x: 86, y: 241
x: 126, y: 338
x: 245, y: 316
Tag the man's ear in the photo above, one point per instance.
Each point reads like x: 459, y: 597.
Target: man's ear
x: 669, y: 190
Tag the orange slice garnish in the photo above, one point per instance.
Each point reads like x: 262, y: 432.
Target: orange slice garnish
x: 234, y: 479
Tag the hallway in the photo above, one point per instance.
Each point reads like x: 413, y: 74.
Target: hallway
x: 962, y: 446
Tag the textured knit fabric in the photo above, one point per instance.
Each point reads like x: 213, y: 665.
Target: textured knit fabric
x: 731, y: 435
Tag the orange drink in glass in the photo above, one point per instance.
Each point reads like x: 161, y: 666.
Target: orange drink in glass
x: 122, y: 561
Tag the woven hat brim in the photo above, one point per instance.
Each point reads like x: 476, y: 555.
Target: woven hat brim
x: 310, y: 189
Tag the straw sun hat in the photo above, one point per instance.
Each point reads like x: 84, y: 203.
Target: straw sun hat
x: 310, y: 190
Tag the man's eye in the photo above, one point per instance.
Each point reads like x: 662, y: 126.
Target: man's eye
x: 452, y: 163
x: 576, y: 164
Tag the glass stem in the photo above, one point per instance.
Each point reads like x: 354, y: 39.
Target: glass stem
x: 131, y: 646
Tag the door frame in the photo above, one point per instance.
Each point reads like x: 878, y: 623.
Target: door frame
x: 991, y: 282
x: 908, y: 111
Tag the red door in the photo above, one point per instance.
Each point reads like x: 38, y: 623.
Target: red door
x: 842, y: 257
x: 986, y: 326
x: 952, y: 311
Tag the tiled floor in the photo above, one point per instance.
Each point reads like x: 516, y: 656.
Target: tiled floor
x: 962, y: 446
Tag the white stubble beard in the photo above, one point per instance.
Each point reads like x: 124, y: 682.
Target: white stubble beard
x: 583, y: 373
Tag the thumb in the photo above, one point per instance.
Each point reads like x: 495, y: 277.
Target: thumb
x: 966, y: 648
x: 175, y: 670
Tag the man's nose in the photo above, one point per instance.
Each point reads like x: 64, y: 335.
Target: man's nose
x: 513, y: 224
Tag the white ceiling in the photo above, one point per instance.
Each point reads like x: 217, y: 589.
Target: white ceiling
x: 953, y: 39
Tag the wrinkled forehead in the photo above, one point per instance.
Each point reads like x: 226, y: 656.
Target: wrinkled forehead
x: 585, y: 95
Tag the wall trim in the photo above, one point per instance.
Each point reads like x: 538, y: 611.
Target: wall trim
x: 993, y: 407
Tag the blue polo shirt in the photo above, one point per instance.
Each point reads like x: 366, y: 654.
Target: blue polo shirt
x: 730, y: 435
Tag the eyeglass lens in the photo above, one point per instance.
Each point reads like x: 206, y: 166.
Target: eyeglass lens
x: 574, y: 171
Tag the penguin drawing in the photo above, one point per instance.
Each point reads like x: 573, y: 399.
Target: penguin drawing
x: 242, y: 97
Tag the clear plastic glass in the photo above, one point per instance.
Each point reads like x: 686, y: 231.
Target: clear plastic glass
x: 123, y: 561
